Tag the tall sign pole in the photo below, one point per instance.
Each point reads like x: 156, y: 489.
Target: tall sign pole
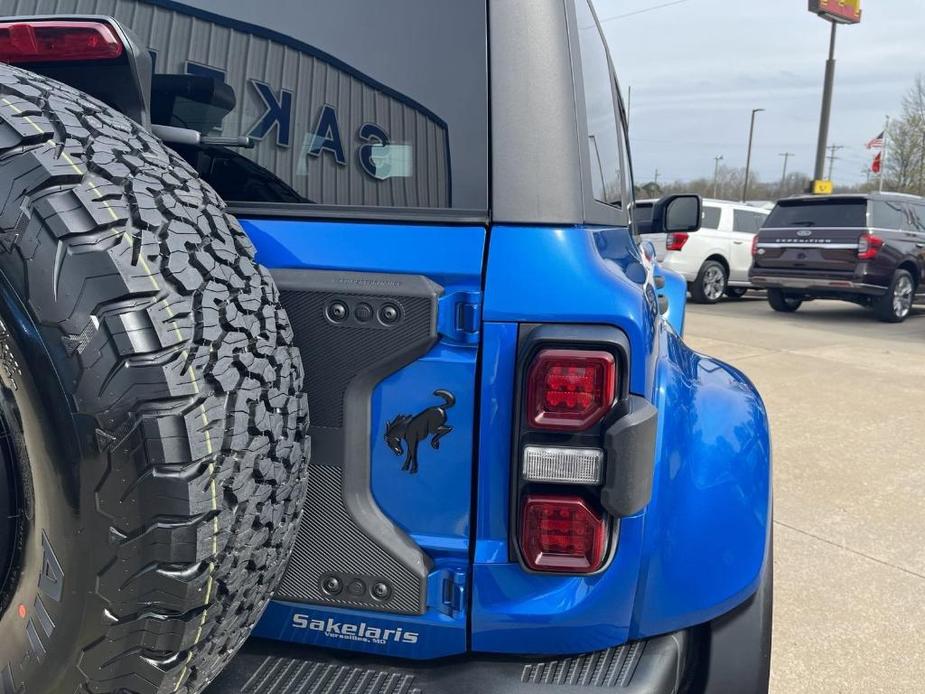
x: 835, y: 12
x: 822, y: 145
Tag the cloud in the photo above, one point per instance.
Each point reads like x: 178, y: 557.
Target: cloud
x: 698, y: 68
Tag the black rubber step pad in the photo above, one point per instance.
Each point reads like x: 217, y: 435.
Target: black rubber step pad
x: 656, y: 666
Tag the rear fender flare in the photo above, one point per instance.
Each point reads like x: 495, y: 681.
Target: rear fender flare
x: 707, y: 524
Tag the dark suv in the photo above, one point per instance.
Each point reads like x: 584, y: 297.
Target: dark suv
x: 868, y: 249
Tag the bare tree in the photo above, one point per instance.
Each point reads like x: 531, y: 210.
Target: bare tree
x: 905, y: 157
x: 729, y: 183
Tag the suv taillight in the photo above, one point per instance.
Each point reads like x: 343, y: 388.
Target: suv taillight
x: 676, y: 240
x: 562, y: 533
x: 570, y: 389
x: 755, y: 245
x: 869, y: 246
x: 42, y: 41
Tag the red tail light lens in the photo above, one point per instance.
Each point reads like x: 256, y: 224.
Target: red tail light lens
x: 754, y: 245
x: 675, y: 241
x: 869, y: 246
x: 570, y: 389
x: 562, y: 534
x: 45, y: 41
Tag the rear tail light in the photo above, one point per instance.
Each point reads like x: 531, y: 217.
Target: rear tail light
x: 754, y: 245
x: 42, y: 41
x: 562, y: 534
x: 676, y: 240
x: 570, y: 390
x: 557, y: 464
x: 869, y: 246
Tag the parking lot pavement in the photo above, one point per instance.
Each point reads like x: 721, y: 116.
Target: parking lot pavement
x: 846, y: 396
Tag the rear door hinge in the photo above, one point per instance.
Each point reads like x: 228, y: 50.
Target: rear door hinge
x: 449, y: 589
x: 460, y: 317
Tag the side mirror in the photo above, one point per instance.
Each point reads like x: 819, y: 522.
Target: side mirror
x: 672, y: 213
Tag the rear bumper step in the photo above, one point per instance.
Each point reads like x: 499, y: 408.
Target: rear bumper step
x: 655, y: 666
x: 813, y: 283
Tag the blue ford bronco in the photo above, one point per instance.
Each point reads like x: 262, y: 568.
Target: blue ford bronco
x: 411, y: 219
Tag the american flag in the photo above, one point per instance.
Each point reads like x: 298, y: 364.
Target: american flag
x: 876, y: 143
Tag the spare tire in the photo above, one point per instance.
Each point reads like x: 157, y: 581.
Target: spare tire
x: 151, y: 401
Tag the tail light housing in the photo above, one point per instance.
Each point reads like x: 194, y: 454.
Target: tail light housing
x: 755, y: 245
x: 676, y: 240
x: 562, y: 534
x: 42, y: 41
x: 570, y: 389
x: 869, y: 246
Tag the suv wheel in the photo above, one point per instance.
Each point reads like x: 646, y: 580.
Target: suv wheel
x: 785, y: 303
x: 710, y: 284
x: 151, y: 408
x: 896, y: 304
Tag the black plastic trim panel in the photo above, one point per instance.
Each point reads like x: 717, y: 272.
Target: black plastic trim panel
x: 657, y: 666
x: 344, y: 534
x: 397, y: 215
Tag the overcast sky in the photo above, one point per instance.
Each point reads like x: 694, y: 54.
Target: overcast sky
x: 698, y: 68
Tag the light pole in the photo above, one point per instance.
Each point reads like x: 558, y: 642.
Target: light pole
x: 716, y: 161
x: 748, y: 159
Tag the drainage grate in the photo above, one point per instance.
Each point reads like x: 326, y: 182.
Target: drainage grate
x: 289, y: 676
x: 611, y: 668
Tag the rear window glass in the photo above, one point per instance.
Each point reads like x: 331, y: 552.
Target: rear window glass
x: 824, y: 213
x: 915, y: 217
x: 348, y: 103
x: 747, y: 221
x: 887, y: 214
x: 711, y: 217
x: 603, y: 129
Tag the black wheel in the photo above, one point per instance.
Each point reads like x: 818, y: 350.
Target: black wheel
x: 152, y: 407
x: 783, y: 302
x: 739, y: 657
x: 896, y: 304
x: 710, y: 284
x: 736, y: 292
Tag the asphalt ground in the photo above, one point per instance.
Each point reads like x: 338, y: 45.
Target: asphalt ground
x: 846, y: 398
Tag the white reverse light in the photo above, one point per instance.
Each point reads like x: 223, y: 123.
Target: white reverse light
x: 563, y: 465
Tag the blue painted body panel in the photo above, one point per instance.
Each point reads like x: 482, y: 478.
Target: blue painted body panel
x: 696, y: 551
x: 675, y: 290
x: 434, y: 505
x: 693, y: 554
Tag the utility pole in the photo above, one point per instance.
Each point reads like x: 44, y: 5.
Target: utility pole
x: 656, y: 176
x: 783, y: 176
x: 748, y: 158
x: 833, y: 149
x: 716, y: 161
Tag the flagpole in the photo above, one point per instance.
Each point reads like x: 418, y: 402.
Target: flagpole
x: 886, y: 138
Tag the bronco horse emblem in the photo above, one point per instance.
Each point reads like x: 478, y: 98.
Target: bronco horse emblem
x: 412, y: 429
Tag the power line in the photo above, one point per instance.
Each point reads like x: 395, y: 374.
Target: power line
x: 644, y: 10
